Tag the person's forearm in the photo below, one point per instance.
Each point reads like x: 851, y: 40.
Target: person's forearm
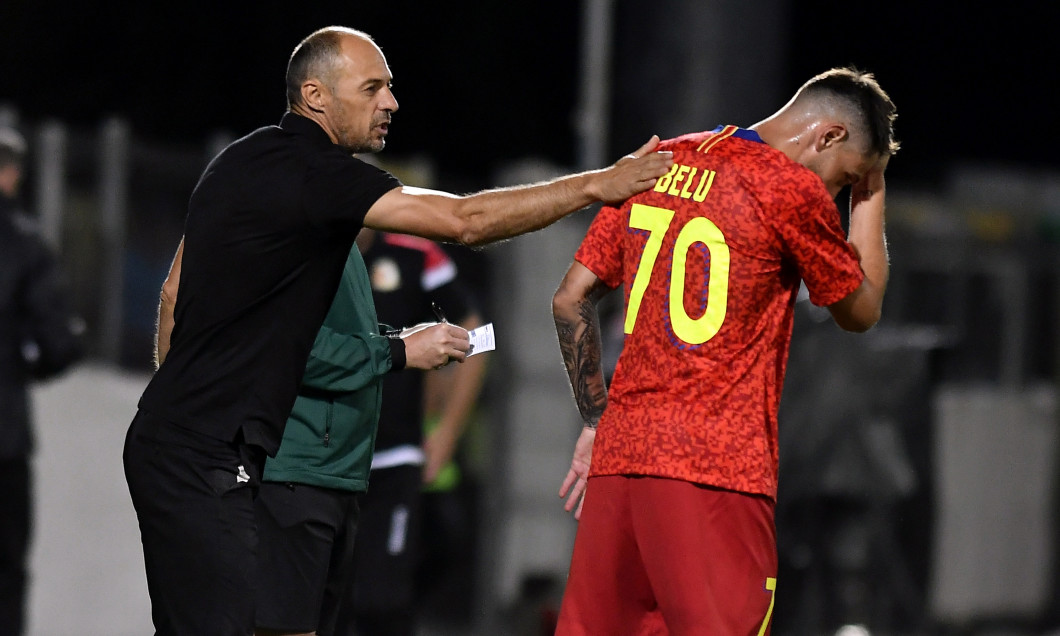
x: 867, y: 233
x: 487, y: 216
x: 166, y: 306
x: 493, y: 215
x: 341, y: 363
x: 498, y: 214
x: 578, y: 330
x: 165, y: 329
x: 863, y: 307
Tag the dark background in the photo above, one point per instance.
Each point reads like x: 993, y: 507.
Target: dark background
x: 483, y: 82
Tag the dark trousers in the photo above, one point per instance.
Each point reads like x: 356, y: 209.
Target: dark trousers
x: 194, y: 499
x: 382, y: 600
x: 14, y: 543
x: 305, y: 556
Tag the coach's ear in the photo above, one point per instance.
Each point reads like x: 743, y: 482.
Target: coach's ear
x: 315, y: 95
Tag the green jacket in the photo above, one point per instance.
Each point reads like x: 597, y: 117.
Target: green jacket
x: 330, y: 434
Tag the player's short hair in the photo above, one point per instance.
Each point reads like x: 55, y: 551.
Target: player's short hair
x: 860, y: 93
x: 316, y: 57
x: 12, y: 147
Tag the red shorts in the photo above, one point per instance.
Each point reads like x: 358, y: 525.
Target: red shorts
x: 657, y: 557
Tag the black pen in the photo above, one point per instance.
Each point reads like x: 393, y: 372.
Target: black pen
x: 438, y: 313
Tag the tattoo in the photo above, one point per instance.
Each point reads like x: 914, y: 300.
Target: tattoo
x: 580, y: 344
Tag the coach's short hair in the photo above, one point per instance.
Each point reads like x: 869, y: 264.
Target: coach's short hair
x: 316, y: 57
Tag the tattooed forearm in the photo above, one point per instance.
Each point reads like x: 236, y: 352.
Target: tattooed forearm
x: 578, y: 329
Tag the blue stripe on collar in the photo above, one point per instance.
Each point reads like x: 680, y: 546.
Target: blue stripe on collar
x: 742, y: 133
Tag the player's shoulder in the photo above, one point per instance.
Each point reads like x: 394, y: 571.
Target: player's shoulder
x: 686, y: 141
x: 715, y: 135
x: 729, y: 141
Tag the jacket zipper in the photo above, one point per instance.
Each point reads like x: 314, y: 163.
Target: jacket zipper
x: 327, y: 423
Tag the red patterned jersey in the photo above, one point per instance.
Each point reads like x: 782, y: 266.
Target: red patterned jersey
x: 710, y: 260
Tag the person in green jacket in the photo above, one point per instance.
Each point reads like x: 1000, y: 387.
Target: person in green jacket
x: 342, y: 383
x: 306, y: 509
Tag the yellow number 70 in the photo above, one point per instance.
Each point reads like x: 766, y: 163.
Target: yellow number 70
x: 698, y: 230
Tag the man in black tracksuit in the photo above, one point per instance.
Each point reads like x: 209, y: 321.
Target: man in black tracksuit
x: 37, y: 340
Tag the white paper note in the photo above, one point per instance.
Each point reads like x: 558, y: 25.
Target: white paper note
x: 482, y: 339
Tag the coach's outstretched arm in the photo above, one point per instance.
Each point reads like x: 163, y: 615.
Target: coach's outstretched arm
x: 493, y: 215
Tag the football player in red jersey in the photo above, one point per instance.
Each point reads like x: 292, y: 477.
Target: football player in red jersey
x: 677, y: 535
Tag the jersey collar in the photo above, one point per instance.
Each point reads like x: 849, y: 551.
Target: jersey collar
x: 742, y: 133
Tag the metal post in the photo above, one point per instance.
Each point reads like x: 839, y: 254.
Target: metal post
x: 113, y: 199
x: 51, y: 181
x: 594, y: 96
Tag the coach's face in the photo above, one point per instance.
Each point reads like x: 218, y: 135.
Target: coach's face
x: 361, y: 103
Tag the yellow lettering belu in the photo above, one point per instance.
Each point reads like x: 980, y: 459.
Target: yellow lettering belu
x: 678, y: 182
